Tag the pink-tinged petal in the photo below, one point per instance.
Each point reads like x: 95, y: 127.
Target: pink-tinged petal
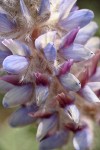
x: 42, y: 41
x: 41, y: 114
x: 54, y: 141
x: 70, y: 82
x: 96, y: 76
x: 89, y: 95
x: 65, y: 99
x: 72, y: 112
x: 42, y: 93
x: 65, y: 8
x: 50, y: 52
x: 21, y: 118
x: 26, y: 13
x: 45, y: 126
x: 93, y: 44
x: 5, y: 86
x: 84, y: 76
x: 77, y: 52
x: 3, y: 55
x: 92, y: 64
x: 64, y: 68
x: 86, y: 33
x: 44, y: 8
x: 68, y: 39
x: 42, y: 79
x: 6, y: 25
x: 95, y: 86
x: 17, y: 96
x: 15, y: 64
x: 83, y: 139
x: 13, y: 79
x: 79, y: 18
x: 17, y: 47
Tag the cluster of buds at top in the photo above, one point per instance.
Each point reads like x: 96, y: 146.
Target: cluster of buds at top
x: 49, y: 61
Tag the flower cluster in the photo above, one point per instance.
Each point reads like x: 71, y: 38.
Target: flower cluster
x: 49, y: 63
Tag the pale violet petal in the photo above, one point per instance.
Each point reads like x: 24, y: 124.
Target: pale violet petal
x: 21, y: 116
x: 74, y: 8
x: 17, y: 47
x: 50, y: 52
x: 42, y: 41
x: 95, y: 86
x: 79, y: 18
x: 15, y: 64
x: 26, y: 13
x: 86, y: 33
x: 70, y: 82
x: 17, y: 96
x: 65, y: 7
x: 89, y: 95
x: 3, y: 55
x: 83, y: 139
x: 93, y: 44
x: 5, y: 86
x: 77, y: 52
x: 6, y: 25
x: 54, y: 141
x: 44, y: 8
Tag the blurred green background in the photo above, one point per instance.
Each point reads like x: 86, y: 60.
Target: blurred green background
x: 93, y: 5
x: 24, y: 138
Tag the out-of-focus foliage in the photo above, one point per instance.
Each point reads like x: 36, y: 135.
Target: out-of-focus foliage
x: 93, y: 5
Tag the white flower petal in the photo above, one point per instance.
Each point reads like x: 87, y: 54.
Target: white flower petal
x: 17, y: 47
x: 72, y: 112
x: 94, y: 85
x: 93, y: 44
x: 45, y: 126
x: 42, y: 41
x: 42, y: 93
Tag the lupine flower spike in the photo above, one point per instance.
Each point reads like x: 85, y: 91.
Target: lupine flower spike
x: 49, y: 61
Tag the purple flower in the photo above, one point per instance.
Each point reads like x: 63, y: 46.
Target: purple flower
x: 47, y: 63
